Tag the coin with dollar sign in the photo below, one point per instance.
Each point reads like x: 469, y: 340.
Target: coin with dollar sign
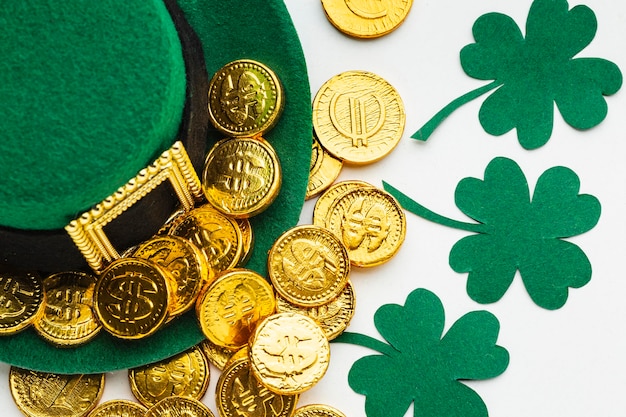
x: 131, y: 298
x: 242, y: 176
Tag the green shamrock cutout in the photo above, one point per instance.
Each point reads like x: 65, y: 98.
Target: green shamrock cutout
x: 533, y: 72
x: 419, y: 366
x: 515, y: 232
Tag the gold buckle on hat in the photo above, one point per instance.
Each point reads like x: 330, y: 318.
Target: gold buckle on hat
x: 87, y: 231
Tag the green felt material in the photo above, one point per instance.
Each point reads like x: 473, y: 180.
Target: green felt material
x: 90, y: 93
x: 531, y: 74
x: 518, y: 233
x: 228, y: 31
x: 419, y: 364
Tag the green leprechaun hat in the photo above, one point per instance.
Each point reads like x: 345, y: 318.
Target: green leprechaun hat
x: 93, y: 92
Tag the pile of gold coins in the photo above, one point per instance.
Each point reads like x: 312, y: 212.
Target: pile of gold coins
x: 269, y: 339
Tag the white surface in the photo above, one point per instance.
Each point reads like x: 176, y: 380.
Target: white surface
x: 568, y: 362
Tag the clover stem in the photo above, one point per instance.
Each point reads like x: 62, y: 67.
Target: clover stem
x: 366, y: 341
x: 427, y: 130
x: 414, y: 207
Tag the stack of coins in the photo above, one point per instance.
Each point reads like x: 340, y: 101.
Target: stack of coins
x: 270, y: 339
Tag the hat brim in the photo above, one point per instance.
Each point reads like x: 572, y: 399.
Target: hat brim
x: 256, y: 29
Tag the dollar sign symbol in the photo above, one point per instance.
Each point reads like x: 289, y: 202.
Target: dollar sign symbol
x: 364, y: 8
x: 11, y: 305
x: 292, y: 355
x: 358, y: 130
x: 243, y: 173
x: 132, y: 295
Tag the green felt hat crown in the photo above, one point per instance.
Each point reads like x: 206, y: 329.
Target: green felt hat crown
x: 91, y: 93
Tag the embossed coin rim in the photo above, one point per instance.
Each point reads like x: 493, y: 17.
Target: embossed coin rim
x: 179, y: 305
x: 335, y: 15
x: 107, y: 409
x: 207, y: 325
x: 383, y: 256
x: 198, y: 390
x: 156, y: 271
x: 233, y: 366
x: 45, y: 327
x: 290, y: 319
x: 284, y: 287
x: 319, y: 112
x: 273, y: 115
x: 33, y: 312
x: 17, y: 389
x: 262, y: 199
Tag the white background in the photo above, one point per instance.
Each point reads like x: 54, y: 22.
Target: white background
x: 568, y: 362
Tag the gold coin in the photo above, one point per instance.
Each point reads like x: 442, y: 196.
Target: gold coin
x: 245, y: 98
x: 232, y: 306
x: 42, y: 394
x: 332, y: 317
x: 117, y: 408
x: 324, y: 170
x: 239, y: 394
x: 217, y: 236
x: 68, y: 318
x: 247, y: 236
x: 21, y: 301
x: 358, y: 117
x: 186, y: 375
x: 289, y: 353
x: 326, y: 200
x: 187, y: 269
x: 318, y: 410
x: 308, y: 265
x: 370, y: 223
x: 241, y: 176
x: 177, y: 407
x: 217, y: 355
x: 366, y: 18
x: 131, y: 298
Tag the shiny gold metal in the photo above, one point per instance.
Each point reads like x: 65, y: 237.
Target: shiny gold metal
x: 324, y: 170
x: 217, y: 236
x: 318, y: 410
x: 247, y: 236
x: 232, y: 306
x: 68, y: 318
x: 42, y: 394
x: 333, y: 317
x: 21, y: 301
x: 217, y: 355
x: 326, y: 200
x: 370, y: 223
x: 178, y: 407
x: 308, y: 265
x: 242, y: 176
x: 186, y: 375
x: 366, y: 18
x: 88, y: 230
x: 187, y: 269
x: 289, y: 353
x: 245, y: 98
x: 358, y: 117
x: 239, y: 394
x: 119, y: 408
x: 131, y: 298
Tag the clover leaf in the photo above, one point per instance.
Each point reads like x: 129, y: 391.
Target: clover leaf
x: 532, y: 73
x: 517, y: 233
x: 419, y: 366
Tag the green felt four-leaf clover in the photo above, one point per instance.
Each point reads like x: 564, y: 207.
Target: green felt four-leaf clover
x: 518, y: 233
x: 420, y: 365
x: 530, y: 74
